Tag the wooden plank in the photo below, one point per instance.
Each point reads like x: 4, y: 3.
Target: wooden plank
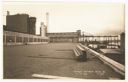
x: 51, y: 77
x: 76, y: 52
x: 80, y: 48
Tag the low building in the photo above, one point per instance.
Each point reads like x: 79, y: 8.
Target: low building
x: 63, y: 37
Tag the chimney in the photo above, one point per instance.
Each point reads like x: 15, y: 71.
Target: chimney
x: 8, y: 13
x: 47, y: 21
x: 42, y: 30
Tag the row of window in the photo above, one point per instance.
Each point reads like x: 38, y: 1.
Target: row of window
x: 20, y: 39
x: 60, y: 34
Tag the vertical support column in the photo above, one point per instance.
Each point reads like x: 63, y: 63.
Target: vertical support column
x: 111, y: 40
x: 5, y: 41
x: 32, y: 39
x: 117, y: 40
x: 88, y: 39
x: 108, y: 41
x: 22, y: 38
x: 93, y: 38
x: 28, y: 38
x: 99, y: 39
x: 93, y: 41
x: 55, y: 39
x: 104, y: 38
x: 35, y: 40
x: 41, y: 40
x: 15, y: 39
x: 99, y: 42
x: 114, y: 42
x: 83, y: 38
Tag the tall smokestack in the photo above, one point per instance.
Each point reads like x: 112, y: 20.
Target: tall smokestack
x: 42, y: 30
x: 47, y: 21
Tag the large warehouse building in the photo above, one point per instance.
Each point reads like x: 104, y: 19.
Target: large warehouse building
x: 21, y: 23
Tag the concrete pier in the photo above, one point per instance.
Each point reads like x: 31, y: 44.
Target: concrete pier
x: 55, y: 59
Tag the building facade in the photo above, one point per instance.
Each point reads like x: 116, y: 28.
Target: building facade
x: 32, y: 25
x: 20, y: 23
x: 63, y: 37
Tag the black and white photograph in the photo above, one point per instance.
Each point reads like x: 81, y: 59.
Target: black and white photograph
x: 63, y: 40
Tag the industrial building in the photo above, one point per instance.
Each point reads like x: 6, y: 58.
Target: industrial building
x: 32, y: 25
x: 64, y: 36
x: 21, y: 23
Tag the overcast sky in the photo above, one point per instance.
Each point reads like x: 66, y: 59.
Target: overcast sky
x: 94, y: 18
